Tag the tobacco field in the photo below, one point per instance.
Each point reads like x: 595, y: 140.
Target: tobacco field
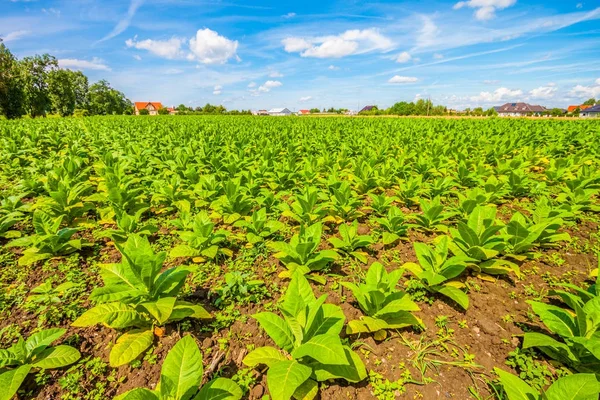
x: 309, y: 258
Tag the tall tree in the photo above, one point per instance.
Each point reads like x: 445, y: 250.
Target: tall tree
x: 590, y: 102
x: 36, y: 72
x: 104, y: 100
x: 61, y: 92
x: 11, y: 84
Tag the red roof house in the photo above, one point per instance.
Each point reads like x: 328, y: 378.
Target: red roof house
x: 151, y: 106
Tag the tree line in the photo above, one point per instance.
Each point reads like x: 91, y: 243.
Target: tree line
x: 36, y: 86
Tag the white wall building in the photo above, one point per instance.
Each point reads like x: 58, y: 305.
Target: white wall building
x: 278, y: 112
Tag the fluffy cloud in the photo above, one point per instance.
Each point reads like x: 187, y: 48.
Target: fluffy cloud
x: 438, y: 56
x: 403, y: 79
x: 485, y: 9
x: 268, y: 85
x: 350, y: 42
x: 305, y: 99
x: 333, y: 68
x: 218, y: 89
x: 169, y: 49
x: 209, y: 47
x: 584, y: 92
x: 403, y: 57
x: 252, y: 84
x: 543, y: 92
x: 73, y: 63
x: 499, y: 94
x: 275, y: 74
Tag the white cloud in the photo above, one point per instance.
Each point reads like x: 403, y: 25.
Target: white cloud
x: 252, y: 84
x: 499, y: 94
x: 209, y: 47
x: 73, y: 63
x: 354, y: 41
x: 543, y: 92
x: 333, y: 68
x: 428, y: 32
x: 51, y: 11
x: 403, y: 57
x: 438, y: 56
x: 275, y: 74
x: 305, y: 99
x: 169, y: 49
x: 125, y: 21
x: 491, y: 81
x: 217, y: 90
x: 268, y: 85
x: 137, y: 57
x: 579, y: 5
x: 289, y: 15
x: 403, y: 79
x: 585, y: 92
x: 485, y: 9
x: 12, y: 36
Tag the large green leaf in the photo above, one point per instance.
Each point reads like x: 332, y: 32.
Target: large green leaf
x: 515, y: 388
x: 575, y: 387
x: 366, y: 325
x: 43, y: 338
x: 455, y: 294
x: 353, y: 372
x: 182, y: 369
x: 138, y: 394
x: 129, y: 346
x: 326, y: 349
x: 11, y: 380
x: 114, y: 315
x: 277, y: 329
x: 56, y: 357
x: 557, y: 319
x: 307, y: 391
x: 263, y: 355
x: 220, y: 389
x: 160, y: 309
x: 284, y: 377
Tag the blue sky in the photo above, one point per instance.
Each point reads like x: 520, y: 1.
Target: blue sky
x: 264, y: 54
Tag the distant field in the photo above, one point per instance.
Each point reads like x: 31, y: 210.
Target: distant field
x: 357, y: 258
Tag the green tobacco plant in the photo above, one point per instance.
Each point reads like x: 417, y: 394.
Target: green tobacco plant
x: 234, y: 204
x: 301, y: 252
x: 309, y: 349
x: 394, y: 224
x: 202, y: 241
x: 380, y: 203
x: 385, y: 307
x: 572, y: 387
x: 577, y: 296
x: 35, y: 353
x: 351, y: 241
x: 181, y: 378
x: 8, y: 221
x: 48, y: 241
x: 305, y: 209
x: 580, y: 348
x: 344, y: 203
x: 432, y: 217
x: 137, y: 296
x: 436, y: 271
x: 68, y: 200
x: 523, y: 234
x: 239, y: 286
x: 259, y: 227
x: 478, y: 239
x: 46, y: 294
x: 129, y: 224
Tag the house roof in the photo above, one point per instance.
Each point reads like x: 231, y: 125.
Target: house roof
x: 523, y: 108
x: 278, y: 110
x: 594, y: 109
x: 367, y: 108
x: 581, y: 107
x: 143, y: 104
x: 304, y: 111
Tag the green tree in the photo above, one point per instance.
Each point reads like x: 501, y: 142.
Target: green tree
x: 402, y: 108
x: 144, y: 111
x: 61, y: 92
x: 491, y: 112
x: 80, y: 88
x: 11, y: 84
x: 36, y: 72
x: 183, y: 108
x: 163, y: 111
x: 314, y: 111
x: 104, y: 100
x: 590, y: 102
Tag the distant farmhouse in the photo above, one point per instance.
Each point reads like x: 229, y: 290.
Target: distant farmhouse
x: 367, y: 108
x: 151, y: 106
x: 304, y: 112
x: 581, y: 108
x: 279, y: 112
x: 590, y: 112
x: 519, y: 110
